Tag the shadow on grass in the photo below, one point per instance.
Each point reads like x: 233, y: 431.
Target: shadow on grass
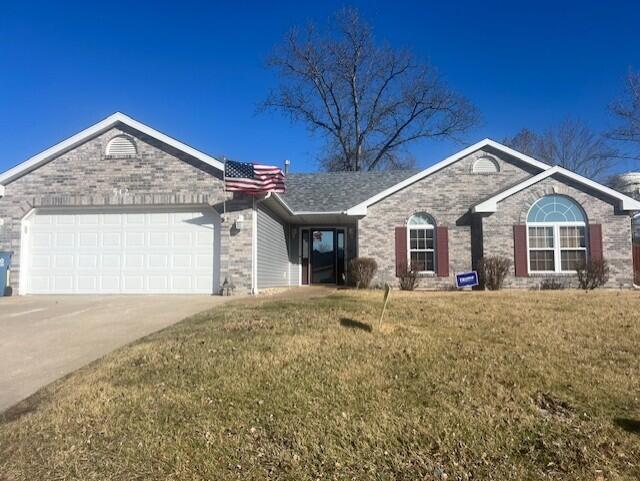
x: 629, y: 425
x: 353, y: 324
x: 24, y: 407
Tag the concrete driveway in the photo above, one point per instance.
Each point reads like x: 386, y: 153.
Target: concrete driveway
x: 45, y: 337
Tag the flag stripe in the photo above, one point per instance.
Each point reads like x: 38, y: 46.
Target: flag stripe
x: 253, y: 178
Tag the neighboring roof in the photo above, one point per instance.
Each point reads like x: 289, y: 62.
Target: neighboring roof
x: 96, y: 129
x: 626, y: 203
x: 335, y: 192
x: 361, y: 208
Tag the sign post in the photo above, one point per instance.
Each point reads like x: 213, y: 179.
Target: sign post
x: 387, y: 293
x: 467, y: 279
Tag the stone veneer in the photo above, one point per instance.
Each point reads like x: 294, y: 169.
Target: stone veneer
x: 448, y: 196
x: 158, y: 175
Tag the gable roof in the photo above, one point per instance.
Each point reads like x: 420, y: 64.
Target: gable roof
x: 335, y: 192
x: 626, y: 203
x: 361, y: 208
x: 96, y: 129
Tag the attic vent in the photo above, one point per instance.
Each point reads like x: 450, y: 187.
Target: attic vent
x: 485, y: 165
x: 121, y: 146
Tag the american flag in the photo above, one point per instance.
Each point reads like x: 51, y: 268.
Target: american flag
x: 252, y: 178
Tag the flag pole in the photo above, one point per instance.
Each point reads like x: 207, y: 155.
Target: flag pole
x: 224, y: 216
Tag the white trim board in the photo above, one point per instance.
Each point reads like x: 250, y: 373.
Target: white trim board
x: 361, y: 208
x: 96, y: 129
x: 626, y: 203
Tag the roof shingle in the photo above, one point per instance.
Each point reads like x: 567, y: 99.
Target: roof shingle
x: 337, y: 191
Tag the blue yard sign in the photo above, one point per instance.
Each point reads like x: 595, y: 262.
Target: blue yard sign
x: 466, y: 279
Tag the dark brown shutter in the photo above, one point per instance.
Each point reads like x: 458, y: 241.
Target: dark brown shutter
x: 442, y: 251
x: 520, y: 250
x: 595, y: 241
x: 401, y: 250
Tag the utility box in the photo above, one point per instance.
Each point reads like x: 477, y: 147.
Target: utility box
x: 5, y: 264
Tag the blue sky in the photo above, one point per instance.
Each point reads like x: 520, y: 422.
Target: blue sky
x: 196, y: 70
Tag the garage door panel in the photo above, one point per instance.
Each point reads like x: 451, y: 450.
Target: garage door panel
x: 158, y: 261
x: 63, y: 240
x: 110, y: 283
x: 62, y: 261
x: 87, y: 261
x: 134, y: 239
x: 42, y: 239
x: 87, y: 219
x: 158, y: 239
x: 110, y: 261
x: 120, y: 251
x: 62, y: 283
x: 87, y: 283
x: 111, y: 240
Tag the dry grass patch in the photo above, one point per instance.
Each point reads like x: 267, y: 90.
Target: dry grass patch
x: 504, y: 385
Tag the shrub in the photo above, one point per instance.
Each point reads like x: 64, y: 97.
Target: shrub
x: 493, y: 270
x: 551, y: 285
x: 592, y: 274
x: 361, y: 271
x: 408, y: 277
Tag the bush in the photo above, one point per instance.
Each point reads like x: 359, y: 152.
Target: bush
x: 492, y: 271
x: 551, y: 285
x: 408, y: 277
x: 361, y: 271
x: 592, y: 274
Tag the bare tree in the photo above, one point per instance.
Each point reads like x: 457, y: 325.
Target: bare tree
x: 627, y: 111
x: 572, y: 145
x: 369, y: 101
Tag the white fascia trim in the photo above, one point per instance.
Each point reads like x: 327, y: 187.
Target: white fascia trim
x: 1, y: 190
x: 283, y: 203
x: 491, y: 205
x: 306, y: 212
x: 102, y: 126
x: 361, y: 208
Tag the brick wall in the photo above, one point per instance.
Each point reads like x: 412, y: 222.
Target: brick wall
x: 616, y: 230
x: 158, y: 175
x: 447, y: 196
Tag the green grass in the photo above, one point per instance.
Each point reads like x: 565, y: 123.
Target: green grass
x: 508, y: 385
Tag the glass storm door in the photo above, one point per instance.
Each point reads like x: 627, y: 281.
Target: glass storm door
x: 340, y: 257
x: 305, y: 257
x: 323, y: 256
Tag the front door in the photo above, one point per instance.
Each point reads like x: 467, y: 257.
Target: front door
x: 323, y: 256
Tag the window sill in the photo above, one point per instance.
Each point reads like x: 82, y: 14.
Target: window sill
x: 552, y: 274
x: 425, y: 274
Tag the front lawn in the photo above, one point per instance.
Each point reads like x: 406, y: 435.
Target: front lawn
x: 471, y: 386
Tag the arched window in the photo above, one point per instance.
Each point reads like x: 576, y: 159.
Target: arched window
x: 121, y: 146
x: 421, y: 239
x: 556, y: 227
x: 486, y: 165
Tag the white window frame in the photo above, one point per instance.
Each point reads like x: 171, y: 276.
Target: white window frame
x: 424, y: 227
x: 557, y: 248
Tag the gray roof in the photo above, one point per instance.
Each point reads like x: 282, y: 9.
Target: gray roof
x: 338, y: 191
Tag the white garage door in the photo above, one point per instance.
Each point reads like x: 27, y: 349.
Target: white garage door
x: 122, y: 251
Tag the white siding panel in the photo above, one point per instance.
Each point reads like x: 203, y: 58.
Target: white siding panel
x: 273, y: 256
